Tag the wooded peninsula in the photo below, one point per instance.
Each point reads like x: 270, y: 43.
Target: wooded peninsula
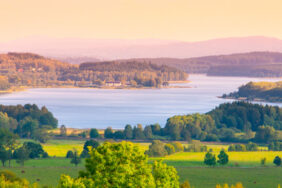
x: 258, y: 91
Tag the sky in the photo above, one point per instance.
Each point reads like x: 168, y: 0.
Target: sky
x: 184, y: 20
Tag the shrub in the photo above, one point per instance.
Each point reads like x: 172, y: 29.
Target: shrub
x: 222, y: 158
x: 277, y: 161
x: 165, y: 176
x: 185, y: 184
x: 35, y: 150
x: 170, y: 149
x: 94, y: 133
x: 178, y: 146
x: 210, y: 159
x: 69, y: 154
x: 263, y: 161
x: 156, y: 149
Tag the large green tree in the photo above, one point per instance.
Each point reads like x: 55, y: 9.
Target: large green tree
x: 222, y: 158
x: 118, y: 165
x: 210, y: 159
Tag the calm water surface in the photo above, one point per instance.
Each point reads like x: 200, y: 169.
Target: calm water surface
x: 100, y: 108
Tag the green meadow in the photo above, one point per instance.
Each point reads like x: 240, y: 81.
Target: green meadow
x: 243, y: 167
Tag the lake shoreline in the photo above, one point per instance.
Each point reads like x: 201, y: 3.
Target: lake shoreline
x: 247, y: 100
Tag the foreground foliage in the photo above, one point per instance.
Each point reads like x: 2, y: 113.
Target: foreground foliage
x: 122, y: 165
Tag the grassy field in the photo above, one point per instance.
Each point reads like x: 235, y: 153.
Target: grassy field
x: 243, y: 166
x: 48, y: 171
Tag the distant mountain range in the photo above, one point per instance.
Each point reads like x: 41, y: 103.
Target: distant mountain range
x: 78, y: 50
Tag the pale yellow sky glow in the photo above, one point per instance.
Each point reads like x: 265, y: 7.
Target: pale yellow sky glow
x: 186, y: 20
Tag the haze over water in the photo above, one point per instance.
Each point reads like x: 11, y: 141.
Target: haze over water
x: 100, y: 108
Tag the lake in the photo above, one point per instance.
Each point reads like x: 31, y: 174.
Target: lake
x: 100, y: 108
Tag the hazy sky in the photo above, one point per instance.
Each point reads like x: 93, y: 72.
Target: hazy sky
x: 187, y: 20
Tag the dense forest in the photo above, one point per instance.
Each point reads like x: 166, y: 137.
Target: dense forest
x: 27, y: 121
x: 253, y: 64
x: 26, y: 69
x: 229, y: 122
x: 267, y: 91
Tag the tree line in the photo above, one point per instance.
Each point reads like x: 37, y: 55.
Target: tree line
x: 259, y: 124
x: 26, y: 69
x: 27, y: 121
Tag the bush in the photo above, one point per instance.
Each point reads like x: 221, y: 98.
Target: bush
x: 170, y: 149
x: 94, y: 133
x: 156, y: 149
x: 263, y: 161
x: 88, y: 144
x: 10, y: 176
x: 222, y: 158
x: 35, y: 150
x: 277, y: 161
x: 252, y: 146
x: 45, y: 155
x: 178, y: 146
x: 210, y: 159
x: 69, y: 154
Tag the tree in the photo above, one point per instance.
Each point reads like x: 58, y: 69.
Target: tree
x: 277, y: 161
x: 118, y: 165
x: 63, y: 130
x: 138, y: 132
x: 165, y: 176
x: 210, y: 159
x: 156, y: 149
x: 68, y: 182
x: 94, y: 133
x: 148, y: 132
x: 178, y: 146
x: 75, y: 159
x: 41, y: 135
x: 119, y: 134
x: 35, y: 150
x: 265, y: 134
x: 69, y: 154
x: 9, y: 141
x: 4, y: 121
x: 187, y: 136
x: 21, y: 155
x: 222, y: 158
x: 86, y: 148
x: 170, y: 149
x: 232, y: 148
x: 252, y: 146
x: 128, y: 132
x: 108, y: 133
x: 27, y: 127
x: 4, y: 155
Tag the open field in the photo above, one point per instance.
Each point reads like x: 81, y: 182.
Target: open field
x: 243, y: 166
x: 48, y: 172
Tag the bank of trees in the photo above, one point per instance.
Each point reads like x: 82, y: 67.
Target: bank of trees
x: 244, y: 147
x: 28, y: 121
x: 26, y: 69
x: 225, y: 123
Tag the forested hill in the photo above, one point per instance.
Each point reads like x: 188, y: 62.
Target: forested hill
x: 32, y: 70
x: 267, y: 91
x: 253, y: 64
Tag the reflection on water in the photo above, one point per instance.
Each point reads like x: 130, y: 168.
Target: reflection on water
x: 100, y: 108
